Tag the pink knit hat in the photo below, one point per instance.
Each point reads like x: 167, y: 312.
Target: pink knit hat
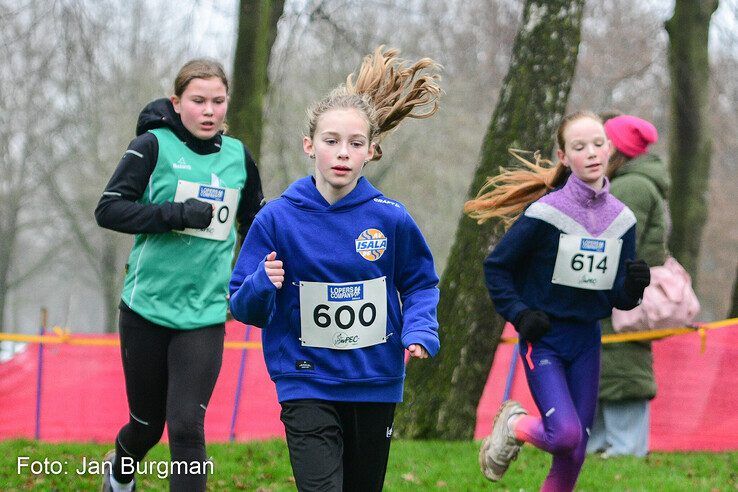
x: 630, y: 135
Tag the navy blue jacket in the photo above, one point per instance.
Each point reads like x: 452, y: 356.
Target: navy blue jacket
x: 519, y: 271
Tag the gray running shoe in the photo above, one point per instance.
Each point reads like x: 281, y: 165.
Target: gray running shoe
x: 107, y: 472
x: 500, y: 447
x: 109, y: 457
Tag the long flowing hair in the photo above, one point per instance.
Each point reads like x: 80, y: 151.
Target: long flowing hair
x: 387, y: 90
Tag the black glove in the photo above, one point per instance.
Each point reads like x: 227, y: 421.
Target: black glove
x: 532, y: 325
x: 637, y: 278
x: 196, y: 214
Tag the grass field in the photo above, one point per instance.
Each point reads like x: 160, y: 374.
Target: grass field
x: 413, y: 465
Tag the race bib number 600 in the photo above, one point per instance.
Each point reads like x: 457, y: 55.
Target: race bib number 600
x: 343, y: 316
x: 587, y: 263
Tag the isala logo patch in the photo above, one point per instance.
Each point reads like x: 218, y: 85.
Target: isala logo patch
x: 371, y: 244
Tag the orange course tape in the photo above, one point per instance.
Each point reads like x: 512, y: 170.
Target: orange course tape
x: 63, y: 335
x: 701, y: 329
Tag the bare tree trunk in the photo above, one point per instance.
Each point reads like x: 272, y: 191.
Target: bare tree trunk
x: 690, y: 144
x: 442, y: 395
x: 8, y: 233
x: 257, y: 30
x: 110, y: 278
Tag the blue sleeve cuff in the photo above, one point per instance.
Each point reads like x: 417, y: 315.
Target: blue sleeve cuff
x: 427, y: 338
x: 253, y: 301
x: 515, y: 311
x: 262, y: 284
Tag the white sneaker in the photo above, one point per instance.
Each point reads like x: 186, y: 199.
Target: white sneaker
x: 500, y: 447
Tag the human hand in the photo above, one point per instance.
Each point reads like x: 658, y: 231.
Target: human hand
x: 417, y: 350
x: 637, y: 278
x: 196, y: 214
x: 274, y: 270
x: 532, y: 325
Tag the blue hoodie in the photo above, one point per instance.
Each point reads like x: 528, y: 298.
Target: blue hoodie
x: 361, y: 237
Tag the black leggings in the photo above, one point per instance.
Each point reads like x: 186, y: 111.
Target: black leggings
x: 170, y: 375
x: 338, y: 446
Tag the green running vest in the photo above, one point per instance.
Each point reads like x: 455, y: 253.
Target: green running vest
x: 177, y: 280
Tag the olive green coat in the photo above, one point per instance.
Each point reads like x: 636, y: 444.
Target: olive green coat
x: 642, y: 184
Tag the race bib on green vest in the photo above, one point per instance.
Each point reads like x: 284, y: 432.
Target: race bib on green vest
x: 343, y: 316
x: 587, y: 263
x: 224, y: 201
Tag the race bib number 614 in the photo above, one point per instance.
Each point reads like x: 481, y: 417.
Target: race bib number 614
x: 587, y: 263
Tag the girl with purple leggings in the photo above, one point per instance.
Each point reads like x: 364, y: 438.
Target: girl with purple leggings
x: 564, y: 263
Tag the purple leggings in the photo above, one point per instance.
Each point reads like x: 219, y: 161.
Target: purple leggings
x: 563, y: 372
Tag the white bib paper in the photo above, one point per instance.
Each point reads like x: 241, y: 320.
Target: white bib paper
x: 587, y: 263
x: 224, y: 201
x: 343, y: 316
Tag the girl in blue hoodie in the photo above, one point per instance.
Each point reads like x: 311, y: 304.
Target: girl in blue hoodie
x: 342, y: 281
x: 564, y: 263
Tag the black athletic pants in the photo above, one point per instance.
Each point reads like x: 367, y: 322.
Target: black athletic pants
x: 338, y: 446
x: 170, y: 375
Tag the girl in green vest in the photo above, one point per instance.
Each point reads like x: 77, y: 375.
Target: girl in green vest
x: 183, y: 188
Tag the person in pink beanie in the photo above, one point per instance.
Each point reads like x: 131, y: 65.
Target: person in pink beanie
x: 640, y: 180
x: 631, y: 135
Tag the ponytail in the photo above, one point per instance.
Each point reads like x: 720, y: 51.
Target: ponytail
x: 507, y: 194
x: 386, y: 91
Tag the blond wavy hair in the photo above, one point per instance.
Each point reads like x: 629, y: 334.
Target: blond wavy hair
x: 387, y: 90
x: 507, y: 194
